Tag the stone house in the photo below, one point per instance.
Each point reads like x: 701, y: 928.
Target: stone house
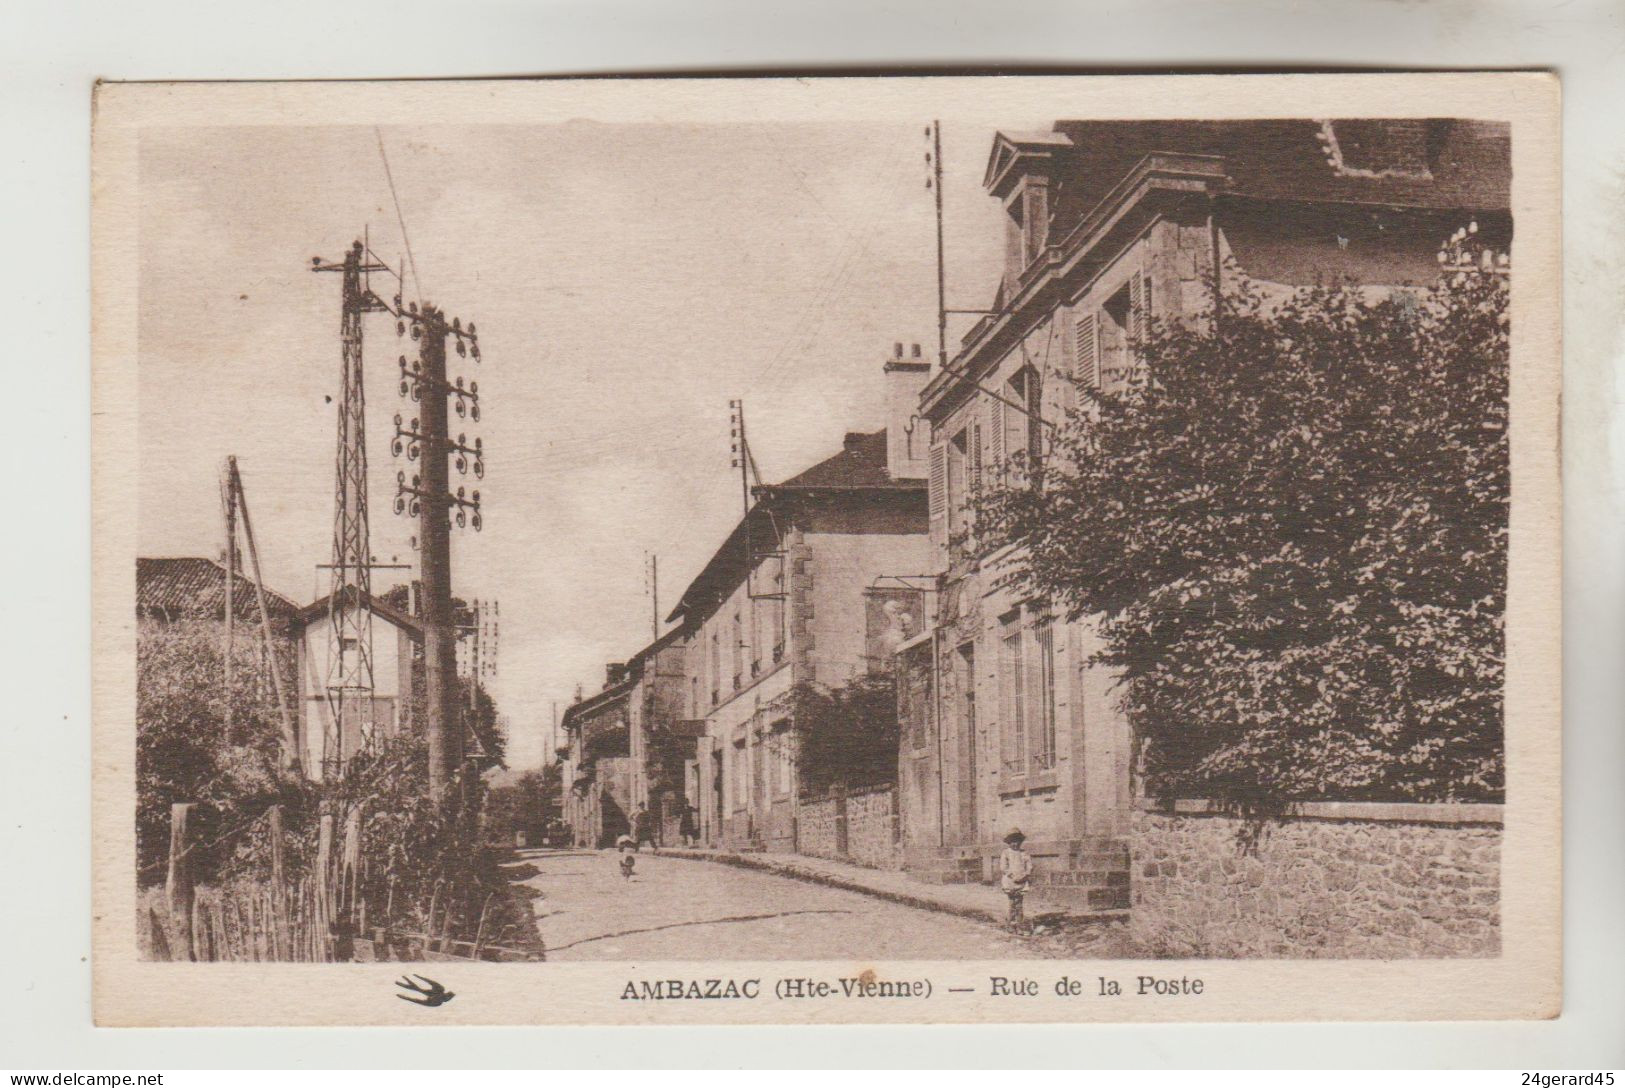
x: 662, y: 739
x: 1110, y: 224
x: 788, y: 598
x: 597, y: 762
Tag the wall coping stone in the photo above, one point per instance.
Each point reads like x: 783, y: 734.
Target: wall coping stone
x: 1413, y: 812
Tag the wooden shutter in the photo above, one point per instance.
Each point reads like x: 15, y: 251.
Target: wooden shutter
x: 996, y: 425
x: 1087, y: 354
x: 938, y: 496
x: 975, y: 456
x: 1136, y: 306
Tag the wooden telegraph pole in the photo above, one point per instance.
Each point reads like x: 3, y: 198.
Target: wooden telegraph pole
x: 429, y: 497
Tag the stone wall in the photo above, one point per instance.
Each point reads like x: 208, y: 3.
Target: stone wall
x: 871, y: 829
x: 1339, y: 886
x: 815, y: 828
x: 860, y: 828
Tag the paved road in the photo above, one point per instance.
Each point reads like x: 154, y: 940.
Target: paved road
x: 676, y: 909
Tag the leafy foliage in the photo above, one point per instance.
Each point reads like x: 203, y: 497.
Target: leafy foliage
x: 845, y: 736
x: 1292, y: 531
x: 184, y: 750
x: 530, y: 804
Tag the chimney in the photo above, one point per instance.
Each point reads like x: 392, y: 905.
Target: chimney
x: 614, y: 673
x: 908, y: 437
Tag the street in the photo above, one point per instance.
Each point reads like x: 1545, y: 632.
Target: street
x: 677, y: 909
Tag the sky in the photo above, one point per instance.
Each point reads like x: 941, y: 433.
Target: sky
x: 628, y: 280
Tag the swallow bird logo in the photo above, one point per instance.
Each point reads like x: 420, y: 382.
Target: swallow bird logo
x: 431, y: 993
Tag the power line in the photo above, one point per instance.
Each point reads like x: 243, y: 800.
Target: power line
x: 417, y: 284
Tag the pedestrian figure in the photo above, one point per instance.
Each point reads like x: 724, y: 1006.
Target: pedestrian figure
x: 625, y: 842
x: 643, y: 829
x: 687, y: 825
x: 628, y: 863
x: 1016, y: 867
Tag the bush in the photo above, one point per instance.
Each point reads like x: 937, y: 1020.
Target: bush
x: 1292, y: 530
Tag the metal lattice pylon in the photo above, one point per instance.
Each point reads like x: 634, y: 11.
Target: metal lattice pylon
x: 349, y: 726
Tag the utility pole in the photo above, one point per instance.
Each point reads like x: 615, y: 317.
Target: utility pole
x: 237, y: 499
x: 429, y: 498
x: 229, y: 505
x: 349, y: 604
x: 934, y: 157
x: 653, y: 581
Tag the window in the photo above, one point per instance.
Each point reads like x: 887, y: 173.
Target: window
x: 716, y: 665
x: 958, y: 456
x: 1024, y: 416
x: 755, y: 639
x: 783, y: 757
x: 1043, y: 746
x: 776, y: 607
x: 739, y: 647
x: 1116, y: 319
x: 1012, y: 692
x: 1120, y: 323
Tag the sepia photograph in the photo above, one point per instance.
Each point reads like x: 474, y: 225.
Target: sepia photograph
x: 877, y: 524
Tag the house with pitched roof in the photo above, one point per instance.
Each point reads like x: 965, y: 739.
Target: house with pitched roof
x: 173, y: 588
x: 1110, y: 224
x: 791, y: 597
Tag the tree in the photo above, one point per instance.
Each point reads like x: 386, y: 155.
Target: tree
x: 1292, y: 532
x: 184, y: 750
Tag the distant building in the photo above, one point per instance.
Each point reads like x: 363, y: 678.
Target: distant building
x: 397, y: 645
x: 788, y: 598
x: 176, y: 588
x: 597, y: 763
x: 662, y: 739
x: 1110, y: 224
x: 191, y: 590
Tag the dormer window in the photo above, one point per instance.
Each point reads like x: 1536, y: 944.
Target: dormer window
x: 1378, y: 148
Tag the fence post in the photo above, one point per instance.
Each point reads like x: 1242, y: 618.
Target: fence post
x: 178, y: 891
x: 275, y: 812
x: 350, y: 870
x: 324, y: 877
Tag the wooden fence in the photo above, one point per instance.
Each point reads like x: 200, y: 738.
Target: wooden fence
x: 319, y: 917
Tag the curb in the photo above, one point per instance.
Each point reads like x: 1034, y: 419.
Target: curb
x: 811, y: 876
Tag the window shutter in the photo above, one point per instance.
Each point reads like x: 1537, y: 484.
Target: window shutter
x: 1136, y: 303
x: 1088, y: 353
x: 996, y: 410
x: 976, y: 457
x: 938, y: 496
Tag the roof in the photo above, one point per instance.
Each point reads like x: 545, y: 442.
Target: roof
x: 597, y: 702
x: 634, y: 664
x: 318, y: 610
x: 196, y: 585
x: 1420, y: 162
x: 857, y: 471
x: 861, y: 463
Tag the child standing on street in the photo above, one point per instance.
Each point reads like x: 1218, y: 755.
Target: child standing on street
x: 1016, y: 869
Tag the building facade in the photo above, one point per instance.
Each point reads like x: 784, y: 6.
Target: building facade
x: 597, y: 763
x: 788, y: 599
x: 397, y: 646
x: 1111, y: 225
